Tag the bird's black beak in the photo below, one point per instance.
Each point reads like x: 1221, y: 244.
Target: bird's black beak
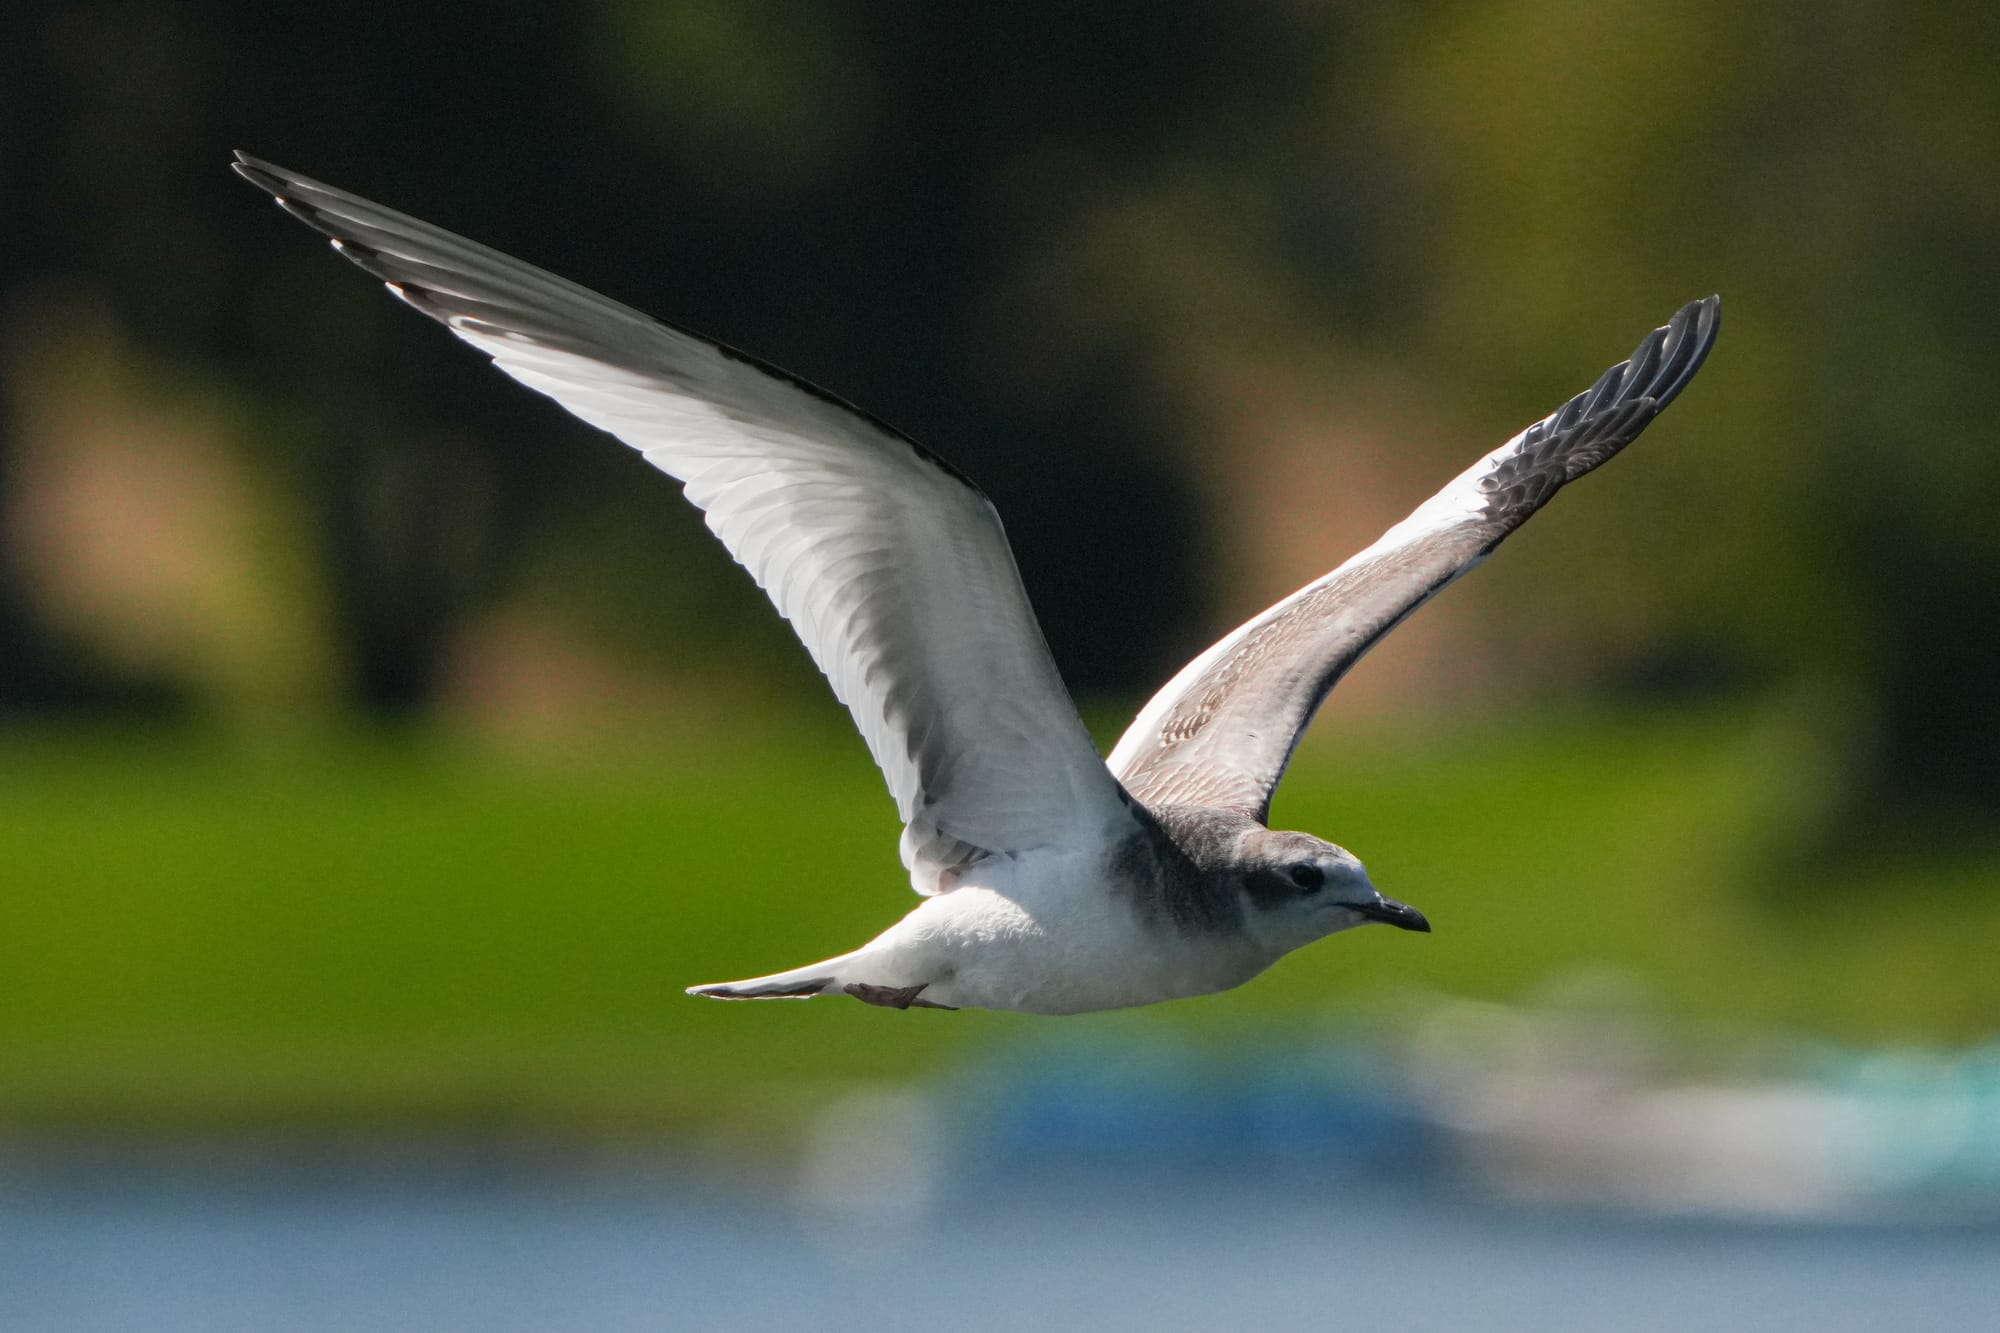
x: 1400, y: 915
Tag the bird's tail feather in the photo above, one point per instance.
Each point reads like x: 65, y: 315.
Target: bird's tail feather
x: 801, y: 983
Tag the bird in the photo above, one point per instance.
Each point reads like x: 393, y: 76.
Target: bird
x: 1051, y: 879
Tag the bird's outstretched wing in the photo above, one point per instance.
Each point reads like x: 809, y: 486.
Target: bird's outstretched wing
x: 891, y: 566
x: 1221, y: 732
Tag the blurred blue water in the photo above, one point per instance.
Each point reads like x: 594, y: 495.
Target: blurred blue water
x: 430, y: 1242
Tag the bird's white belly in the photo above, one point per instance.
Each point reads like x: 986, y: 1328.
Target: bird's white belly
x: 1047, y: 944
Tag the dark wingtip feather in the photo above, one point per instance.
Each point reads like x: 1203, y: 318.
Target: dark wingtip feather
x: 1610, y: 414
x: 1659, y: 367
x: 1683, y: 345
x: 259, y: 173
x: 303, y: 212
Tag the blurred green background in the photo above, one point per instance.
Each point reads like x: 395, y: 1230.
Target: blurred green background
x: 379, y: 746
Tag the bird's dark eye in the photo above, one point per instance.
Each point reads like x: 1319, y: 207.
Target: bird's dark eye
x: 1307, y: 876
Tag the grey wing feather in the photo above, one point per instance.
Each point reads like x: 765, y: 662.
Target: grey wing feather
x: 890, y: 565
x: 1222, y: 731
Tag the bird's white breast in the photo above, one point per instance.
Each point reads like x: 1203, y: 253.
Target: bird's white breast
x: 1043, y: 933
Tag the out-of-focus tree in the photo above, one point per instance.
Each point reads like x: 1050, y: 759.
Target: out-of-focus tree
x: 1473, y: 192
x: 1126, y: 263
x: 34, y: 672
x: 1830, y: 169
x: 791, y: 180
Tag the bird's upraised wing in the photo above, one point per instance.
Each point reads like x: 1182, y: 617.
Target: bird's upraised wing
x: 1221, y: 732
x: 891, y: 566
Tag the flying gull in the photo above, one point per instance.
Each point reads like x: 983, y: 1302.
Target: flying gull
x: 1053, y: 881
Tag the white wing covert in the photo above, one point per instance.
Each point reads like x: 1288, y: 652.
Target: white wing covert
x: 892, y: 567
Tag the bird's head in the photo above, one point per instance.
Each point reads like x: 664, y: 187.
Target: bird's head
x: 1297, y: 888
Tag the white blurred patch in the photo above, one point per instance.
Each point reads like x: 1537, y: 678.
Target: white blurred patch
x: 870, y: 1168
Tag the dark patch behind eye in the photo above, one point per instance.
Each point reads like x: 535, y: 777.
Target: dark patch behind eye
x: 1268, y: 887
